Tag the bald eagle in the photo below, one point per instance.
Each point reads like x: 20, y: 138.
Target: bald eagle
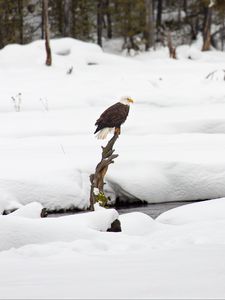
x: 113, y: 117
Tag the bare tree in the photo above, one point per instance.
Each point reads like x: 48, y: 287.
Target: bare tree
x: 185, y: 6
x: 67, y: 17
x: 99, y: 21
x: 149, y: 32
x: 222, y: 35
x: 46, y: 30
x: 172, y: 49
x: 207, y: 26
x: 108, y: 19
x: 20, y: 11
x: 159, y: 13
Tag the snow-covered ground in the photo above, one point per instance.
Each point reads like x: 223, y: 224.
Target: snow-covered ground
x: 171, y: 148
x: 73, y: 257
x: 172, y: 144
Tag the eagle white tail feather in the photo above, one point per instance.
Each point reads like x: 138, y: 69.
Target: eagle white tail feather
x: 102, y: 134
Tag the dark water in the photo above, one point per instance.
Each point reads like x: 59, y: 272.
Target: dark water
x: 153, y: 210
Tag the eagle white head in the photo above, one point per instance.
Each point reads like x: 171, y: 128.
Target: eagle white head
x: 126, y: 100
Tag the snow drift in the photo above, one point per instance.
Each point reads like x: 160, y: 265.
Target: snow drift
x: 17, y: 229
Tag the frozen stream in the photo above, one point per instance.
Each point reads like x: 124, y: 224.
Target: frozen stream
x: 153, y: 210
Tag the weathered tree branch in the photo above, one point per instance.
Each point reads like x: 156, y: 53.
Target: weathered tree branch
x: 97, y: 179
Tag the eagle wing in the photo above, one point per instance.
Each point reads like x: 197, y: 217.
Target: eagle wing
x: 113, y: 116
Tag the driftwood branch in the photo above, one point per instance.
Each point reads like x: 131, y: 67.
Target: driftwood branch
x: 97, y: 179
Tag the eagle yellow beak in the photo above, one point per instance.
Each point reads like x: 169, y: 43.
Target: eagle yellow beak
x: 130, y: 100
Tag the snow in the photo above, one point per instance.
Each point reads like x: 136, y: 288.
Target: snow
x: 60, y: 257
x: 31, y: 210
x: 195, y: 212
x: 18, y: 230
x: 171, y: 148
x: 174, y: 131
x: 137, y: 223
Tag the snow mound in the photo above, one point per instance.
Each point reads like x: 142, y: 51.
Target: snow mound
x: 33, y: 54
x: 137, y: 223
x: 166, y: 181
x: 189, y: 52
x: 31, y: 210
x: 8, y: 201
x: 17, y: 231
x: 196, y: 212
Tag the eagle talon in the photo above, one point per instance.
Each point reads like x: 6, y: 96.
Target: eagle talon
x: 117, y: 131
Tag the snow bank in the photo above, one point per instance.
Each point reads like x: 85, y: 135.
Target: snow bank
x: 31, y: 210
x: 17, y: 230
x: 63, y: 51
x: 169, y: 181
x: 147, y: 260
x: 196, y: 212
x: 137, y: 223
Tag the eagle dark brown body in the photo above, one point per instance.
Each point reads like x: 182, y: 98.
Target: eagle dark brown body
x: 113, y: 116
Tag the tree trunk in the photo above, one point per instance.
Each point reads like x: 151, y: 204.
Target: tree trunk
x: 172, y: 49
x: 185, y: 6
x: 99, y: 22
x: 67, y: 18
x: 73, y: 18
x: 46, y: 30
x: 42, y: 22
x: 149, y: 32
x: 222, y: 35
x: 159, y: 13
x: 20, y: 9
x: 108, y: 20
x: 207, y: 27
x: 1, y: 29
x: 179, y: 13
